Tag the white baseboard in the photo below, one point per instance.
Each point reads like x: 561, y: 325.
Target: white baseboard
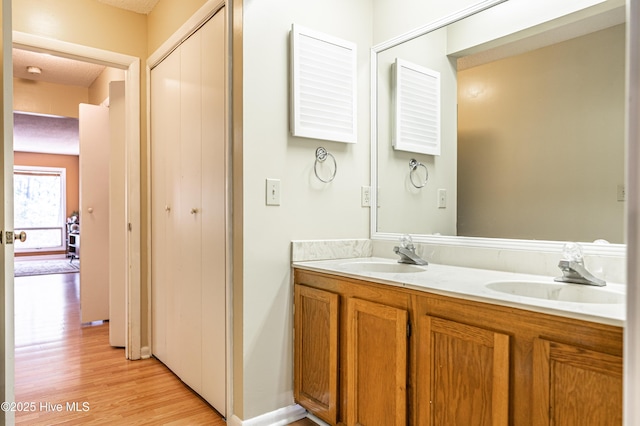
x: 280, y: 417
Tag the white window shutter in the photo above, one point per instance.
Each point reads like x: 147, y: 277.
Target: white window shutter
x: 323, y: 86
x: 416, y: 98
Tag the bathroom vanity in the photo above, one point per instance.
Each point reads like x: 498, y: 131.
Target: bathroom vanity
x: 380, y: 343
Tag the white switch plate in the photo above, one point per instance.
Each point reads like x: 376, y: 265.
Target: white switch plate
x: 273, y: 192
x: 442, y: 198
x: 366, y: 196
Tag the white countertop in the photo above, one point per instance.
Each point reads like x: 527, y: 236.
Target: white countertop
x: 469, y: 283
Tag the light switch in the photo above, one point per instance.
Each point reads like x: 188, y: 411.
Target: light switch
x: 442, y: 198
x: 273, y: 192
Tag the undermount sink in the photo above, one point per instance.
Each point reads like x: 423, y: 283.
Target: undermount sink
x: 575, y: 293
x: 381, y: 267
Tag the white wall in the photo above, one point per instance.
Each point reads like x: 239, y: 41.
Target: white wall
x: 309, y: 208
x: 392, y: 18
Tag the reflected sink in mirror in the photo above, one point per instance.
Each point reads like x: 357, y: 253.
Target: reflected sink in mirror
x: 381, y: 267
x: 574, y: 293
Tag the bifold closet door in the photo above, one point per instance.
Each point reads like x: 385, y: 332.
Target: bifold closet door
x: 94, y: 212
x: 165, y: 198
x: 189, y: 212
x: 214, y: 253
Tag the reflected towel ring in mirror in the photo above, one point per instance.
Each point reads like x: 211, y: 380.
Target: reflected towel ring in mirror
x: 321, y: 156
x: 413, y: 166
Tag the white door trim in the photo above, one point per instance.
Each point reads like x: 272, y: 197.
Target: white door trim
x: 131, y: 237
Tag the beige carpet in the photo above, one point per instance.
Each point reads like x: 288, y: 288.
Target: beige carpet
x: 25, y: 268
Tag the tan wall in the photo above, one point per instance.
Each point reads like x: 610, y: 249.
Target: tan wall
x: 99, y: 90
x: 541, y: 153
x: 88, y: 23
x: 57, y: 99
x: 68, y: 162
x: 166, y: 17
x: 48, y: 98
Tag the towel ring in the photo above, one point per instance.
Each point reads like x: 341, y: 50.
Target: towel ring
x: 321, y: 156
x: 413, y: 166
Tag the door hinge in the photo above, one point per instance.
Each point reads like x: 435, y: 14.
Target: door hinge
x: 408, y: 329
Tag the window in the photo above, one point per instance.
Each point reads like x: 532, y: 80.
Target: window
x: 39, y: 206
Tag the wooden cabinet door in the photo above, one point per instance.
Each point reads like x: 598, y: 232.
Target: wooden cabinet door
x: 376, y: 339
x: 462, y: 374
x: 316, y: 351
x: 575, y: 386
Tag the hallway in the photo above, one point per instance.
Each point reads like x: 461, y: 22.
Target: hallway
x: 66, y: 372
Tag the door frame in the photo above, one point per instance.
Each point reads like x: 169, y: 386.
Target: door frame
x: 130, y: 238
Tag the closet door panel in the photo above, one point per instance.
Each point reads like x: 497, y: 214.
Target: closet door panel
x: 190, y: 238
x: 213, y: 213
x: 94, y: 212
x: 165, y: 155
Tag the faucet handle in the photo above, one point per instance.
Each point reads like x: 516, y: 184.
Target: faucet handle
x: 573, y: 252
x: 407, y: 242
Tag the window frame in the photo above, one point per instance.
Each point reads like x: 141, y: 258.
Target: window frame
x: 45, y: 170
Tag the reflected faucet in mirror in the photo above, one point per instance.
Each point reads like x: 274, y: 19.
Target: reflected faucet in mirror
x: 407, y: 252
x: 573, y: 269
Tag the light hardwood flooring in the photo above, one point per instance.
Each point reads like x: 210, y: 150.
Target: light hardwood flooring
x: 60, y: 361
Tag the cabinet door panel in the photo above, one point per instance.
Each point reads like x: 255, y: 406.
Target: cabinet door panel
x: 575, y: 386
x: 376, y: 364
x: 316, y: 351
x: 463, y: 374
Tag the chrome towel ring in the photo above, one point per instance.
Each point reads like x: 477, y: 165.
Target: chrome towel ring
x: 413, y: 166
x: 321, y: 156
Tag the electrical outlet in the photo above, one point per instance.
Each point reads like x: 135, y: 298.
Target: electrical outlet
x: 366, y: 196
x: 273, y: 192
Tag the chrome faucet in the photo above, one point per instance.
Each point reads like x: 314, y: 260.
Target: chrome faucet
x: 573, y: 269
x: 407, y: 252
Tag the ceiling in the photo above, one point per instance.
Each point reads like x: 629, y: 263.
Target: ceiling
x: 58, y: 135
x: 54, y: 69
x: 42, y: 133
x: 138, y: 6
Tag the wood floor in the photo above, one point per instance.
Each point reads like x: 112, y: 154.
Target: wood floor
x: 67, y: 372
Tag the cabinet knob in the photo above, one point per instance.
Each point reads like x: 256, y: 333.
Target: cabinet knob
x: 90, y: 209
x: 194, y: 210
x: 167, y: 208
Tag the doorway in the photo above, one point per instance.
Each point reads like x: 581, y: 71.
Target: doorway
x: 127, y: 239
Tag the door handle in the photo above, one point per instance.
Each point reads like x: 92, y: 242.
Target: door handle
x: 9, y: 237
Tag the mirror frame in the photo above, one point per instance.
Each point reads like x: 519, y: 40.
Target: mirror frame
x: 618, y: 250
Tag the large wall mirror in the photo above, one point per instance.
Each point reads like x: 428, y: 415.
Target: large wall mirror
x: 532, y: 119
